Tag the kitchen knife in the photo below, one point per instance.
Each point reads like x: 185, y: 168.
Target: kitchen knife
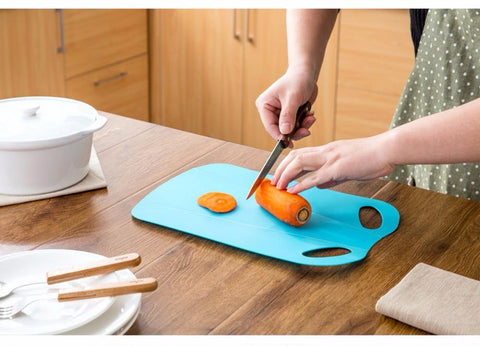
x: 282, y: 143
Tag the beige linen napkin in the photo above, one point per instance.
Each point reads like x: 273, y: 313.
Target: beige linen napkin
x: 94, y: 180
x: 434, y: 300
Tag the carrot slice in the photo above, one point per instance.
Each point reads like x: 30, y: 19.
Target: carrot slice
x: 217, y: 202
x: 290, y: 208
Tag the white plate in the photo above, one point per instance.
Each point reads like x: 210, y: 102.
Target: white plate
x: 119, y: 318
x: 126, y: 327
x: 50, y: 316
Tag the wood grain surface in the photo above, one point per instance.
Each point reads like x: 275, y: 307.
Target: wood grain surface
x: 95, y: 39
x: 209, y: 288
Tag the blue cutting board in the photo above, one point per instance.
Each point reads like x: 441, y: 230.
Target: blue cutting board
x: 334, y: 222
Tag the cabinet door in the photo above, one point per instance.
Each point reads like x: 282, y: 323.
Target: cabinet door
x: 201, y: 71
x: 97, y: 38
x: 375, y: 58
x: 265, y: 62
x: 29, y: 61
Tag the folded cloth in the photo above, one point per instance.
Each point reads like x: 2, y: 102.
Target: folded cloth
x: 434, y: 300
x: 94, y: 180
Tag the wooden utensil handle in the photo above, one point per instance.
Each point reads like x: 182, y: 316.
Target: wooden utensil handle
x: 102, y: 266
x: 110, y: 290
x: 301, y: 114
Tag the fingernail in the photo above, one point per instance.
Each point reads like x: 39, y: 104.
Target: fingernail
x: 292, y: 188
x: 285, y: 128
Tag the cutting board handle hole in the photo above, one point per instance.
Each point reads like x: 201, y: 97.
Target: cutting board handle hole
x: 327, y: 252
x: 370, y: 217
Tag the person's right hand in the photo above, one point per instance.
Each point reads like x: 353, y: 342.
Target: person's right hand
x: 278, y: 104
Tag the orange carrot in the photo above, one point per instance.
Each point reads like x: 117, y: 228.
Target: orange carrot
x: 290, y: 208
x: 217, y: 202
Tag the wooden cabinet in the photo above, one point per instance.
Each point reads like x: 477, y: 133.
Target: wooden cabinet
x: 121, y: 88
x: 30, y: 61
x: 200, y: 71
x: 98, y: 38
x: 209, y: 66
x: 106, y: 60
x: 375, y: 57
x: 368, y: 59
x: 265, y: 59
x: 96, y: 56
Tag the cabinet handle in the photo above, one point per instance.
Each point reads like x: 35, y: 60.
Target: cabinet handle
x: 110, y: 79
x: 250, y: 36
x: 236, y: 35
x: 61, y: 49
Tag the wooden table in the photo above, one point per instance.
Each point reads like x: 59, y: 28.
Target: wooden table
x: 209, y: 288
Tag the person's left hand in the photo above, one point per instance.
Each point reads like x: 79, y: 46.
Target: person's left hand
x: 331, y: 164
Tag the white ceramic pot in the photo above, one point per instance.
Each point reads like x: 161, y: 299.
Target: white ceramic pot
x: 45, y: 143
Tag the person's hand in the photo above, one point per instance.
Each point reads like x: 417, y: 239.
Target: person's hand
x: 278, y: 104
x: 336, y: 162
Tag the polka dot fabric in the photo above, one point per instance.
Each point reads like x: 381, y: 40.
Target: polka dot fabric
x: 446, y: 74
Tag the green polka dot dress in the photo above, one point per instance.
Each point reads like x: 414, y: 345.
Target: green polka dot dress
x: 446, y: 74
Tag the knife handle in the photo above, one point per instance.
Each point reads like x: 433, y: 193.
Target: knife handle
x: 103, y: 266
x: 301, y: 114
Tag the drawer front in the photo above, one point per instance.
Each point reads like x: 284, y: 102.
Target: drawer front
x: 121, y: 88
x: 96, y: 38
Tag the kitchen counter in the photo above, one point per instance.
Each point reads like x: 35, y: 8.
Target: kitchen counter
x: 209, y: 288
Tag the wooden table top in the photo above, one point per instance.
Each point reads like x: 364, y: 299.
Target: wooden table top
x: 209, y: 288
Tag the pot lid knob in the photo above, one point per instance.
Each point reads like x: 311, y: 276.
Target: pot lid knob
x: 31, y: 109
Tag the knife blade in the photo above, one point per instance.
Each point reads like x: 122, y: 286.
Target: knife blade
x: 282, y: 143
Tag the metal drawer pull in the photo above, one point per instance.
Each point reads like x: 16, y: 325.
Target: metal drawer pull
x: 61, y: 49
x: 111, y: 79
x: 236, y: 35
x: 250, y: 36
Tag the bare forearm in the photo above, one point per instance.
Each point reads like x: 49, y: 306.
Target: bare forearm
x: 308, y: 32
x: 451, y: 136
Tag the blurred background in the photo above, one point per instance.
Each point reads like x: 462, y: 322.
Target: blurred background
x: 200, y: 70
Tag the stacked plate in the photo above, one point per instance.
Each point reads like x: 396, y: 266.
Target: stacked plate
x: 98, y: 316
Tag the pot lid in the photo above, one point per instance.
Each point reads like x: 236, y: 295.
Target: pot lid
x: 39, y: 118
